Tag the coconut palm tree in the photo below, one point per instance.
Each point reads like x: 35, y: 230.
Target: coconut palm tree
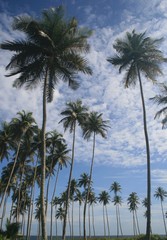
x: 161, y: 99
x: 22, y: 127
x: 104, y: 198
x: 133, y: 201
x: 52, y: 50
x: 139, y: 54
x: 161, y: 194
x: 116, y: 187
x: 94, y: 125
x: 75, y: 113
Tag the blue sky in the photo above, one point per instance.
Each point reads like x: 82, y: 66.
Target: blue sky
x: 121, y: 157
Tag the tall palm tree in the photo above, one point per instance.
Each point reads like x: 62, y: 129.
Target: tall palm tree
x: 104, y: 198
x: 75, y: 113
x: 116, y: 187
x: 94, y: 125
x: 139, y: 54
x: 133, y: 201
x: 161, y: 194
x: 52, y: 50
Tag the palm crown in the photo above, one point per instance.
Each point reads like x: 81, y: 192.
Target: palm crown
x: 51, y: 48
x: 137, y: 52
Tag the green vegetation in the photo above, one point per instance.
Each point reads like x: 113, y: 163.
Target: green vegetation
x: 52, y: 50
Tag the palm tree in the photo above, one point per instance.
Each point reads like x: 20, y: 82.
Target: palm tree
x: 5, y: 141
x: 94, y: 125
x: 22, y: 127
x: 51, y: 51
x: 104, y: 198
x: 161, y: 194
x: 75, y: 113
x: 138, y: 54
x: 133, y: 201
x: 162, y: 100
x: 116, y: 187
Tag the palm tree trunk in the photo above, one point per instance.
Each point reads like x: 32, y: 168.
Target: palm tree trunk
x: 116, y: 208
x: 19, y: 193
x: 79, y: 220
x: 47, y: 193
x: 107, y: 222
x: 11, y: 173
x: 30, y: 209
x: 148, y: 227
x: 163, y: 217
x: 43, y: 164
x: 54, y: 190
x: 89, y: 183
x: 4, y: 211
x: 119, y: 218
x: 137, y: 223
x: 69, y: 186
x: 104, y: 222
x: 93, y: 221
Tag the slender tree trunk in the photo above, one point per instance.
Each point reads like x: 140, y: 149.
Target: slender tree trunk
x: 79, y: 220
x: 11, y: 173
x: 120, y: 225
x: 148, y: 227
x: 89, y: 184
x: 43, y: 164
x: 107, y: 222
x: 19, y: 193
x: 116, y: 209
x: 93, y: 221
x: 4, y: 211
x: 163, y: 217
x: 51, y: 214
x: 89, y: 221
x: 69, y: 186
x: 104, y: 222
x: 47, y: 193
x: 137, y: 223
x: 30, y: 209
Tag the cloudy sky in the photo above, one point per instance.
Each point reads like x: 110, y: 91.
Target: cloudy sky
x: 122, y: 156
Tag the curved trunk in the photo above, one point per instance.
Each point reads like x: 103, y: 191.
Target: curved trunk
x: 43, y: 164
x: 11, y: 173
x: 89, y: 183
x: 69, y: 186
x: 148, y: 227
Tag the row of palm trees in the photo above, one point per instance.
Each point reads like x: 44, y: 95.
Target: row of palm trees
x: 52, y: 50
x: 21, y: 140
